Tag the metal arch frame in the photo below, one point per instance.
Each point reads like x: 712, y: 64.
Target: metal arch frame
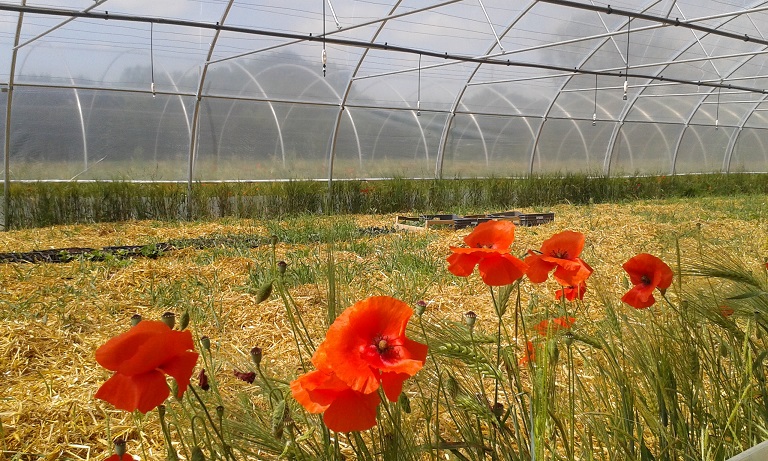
x: 454, y: 107
x: 82, y: 121
x: 737, y: 134
x: 697, y: 108
x: 196, y: 112
x: 628, y: 107
x: 418, y: 123
x: 345, y: 97
x: 271, y: 109
x: 165, y: 108
x: 526, y: 120
x: 567, y: 80
x: 9, y: 103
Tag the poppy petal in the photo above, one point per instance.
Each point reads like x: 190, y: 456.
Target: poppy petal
x: 112, y: 354
x: 352, y: 411
x: 143, y: 348
x: 502, y: 269
x: 497, y: 235
x: 538, y: 268
x: 639, y: 297
x: 316, y: 390
x: 392, y: 384
x: 564, y: 245
x: 141, y: 392
x: 181, y: 368
x: 126, y: 457
x: 462, y: 264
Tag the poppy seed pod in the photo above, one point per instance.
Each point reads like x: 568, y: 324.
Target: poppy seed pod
x: 273, y: 239
x: 470, y: 318
x: 119, y: 447
x: 205, y: 342
x: 420, y: 307
x: 256, y: 356
x: 184, y: 321
x: 135, y: 319
x: 169, y: 318
x: 281, y: 266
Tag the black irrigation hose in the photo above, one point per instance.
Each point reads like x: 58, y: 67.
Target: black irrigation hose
x: 154, y: 250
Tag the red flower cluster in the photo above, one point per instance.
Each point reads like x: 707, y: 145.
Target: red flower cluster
x: 140, y: 358
x: 364, y: 349
x: 646, y: 272
x: 488, y: 250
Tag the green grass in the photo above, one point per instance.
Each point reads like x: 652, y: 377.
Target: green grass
x: 44, y: 204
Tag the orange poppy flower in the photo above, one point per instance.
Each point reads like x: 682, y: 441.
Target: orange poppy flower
x: 557, y: 324
x: 488, y: 250
x: 560, y: 252
x: 646, y: 272
x: 530, y: 354
x: 572, y: 292
x: 344, y: 409
x: 366, y: 347
x: 140, y: 358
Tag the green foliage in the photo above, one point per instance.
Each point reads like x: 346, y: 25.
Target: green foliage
x: 45, y: 204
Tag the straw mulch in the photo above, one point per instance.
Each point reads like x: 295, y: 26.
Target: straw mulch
x: 56, y: 315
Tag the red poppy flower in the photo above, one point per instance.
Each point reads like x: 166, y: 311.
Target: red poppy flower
x: 557, y: 324
x: 646, y: 272
x: 572, y: 292
x: 344, y: 409
x: 530, y: 354
x: 366, y: 347
x: 488, y: 250
x: 561, y: 251
x: 140, y: 358
x: 126, y: 457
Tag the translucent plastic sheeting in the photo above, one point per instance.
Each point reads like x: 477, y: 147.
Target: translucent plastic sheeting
x: 181, y: 90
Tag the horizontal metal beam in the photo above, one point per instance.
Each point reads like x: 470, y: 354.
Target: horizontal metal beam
x: 360, y: 44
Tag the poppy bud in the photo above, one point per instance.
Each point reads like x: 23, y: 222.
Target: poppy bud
x: 205, y: 342
x: 202, y: 380
x: 470, y: 318
x: 220, y: 411
x: 169, y: 318
x: 197, y: 454
x: 405, y: 402
x: 184, y: 321
x: 279, y: 415
x: 249, y: 377
x: 421, y: 305
x: 264, y: 292
x: 281, y: 266
x: 119, y: 447
x: 256, y: 356
x: 135, y: 319
x: 568, y: 338
x: 161, y: 412
x: 273, y: 240
x: 452, y: 386
x: 498, y: 410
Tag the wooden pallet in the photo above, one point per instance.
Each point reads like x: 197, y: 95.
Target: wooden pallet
x: 424, y: 222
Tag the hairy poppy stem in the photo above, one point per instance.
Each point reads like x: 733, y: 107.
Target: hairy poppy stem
x: 224, y: 445
x: 437, y: 399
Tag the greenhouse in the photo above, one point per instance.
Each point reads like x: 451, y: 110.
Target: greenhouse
x: 384, y: 230
x: 241, y: 91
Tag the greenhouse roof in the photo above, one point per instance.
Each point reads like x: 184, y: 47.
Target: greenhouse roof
x: 204, y: 90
